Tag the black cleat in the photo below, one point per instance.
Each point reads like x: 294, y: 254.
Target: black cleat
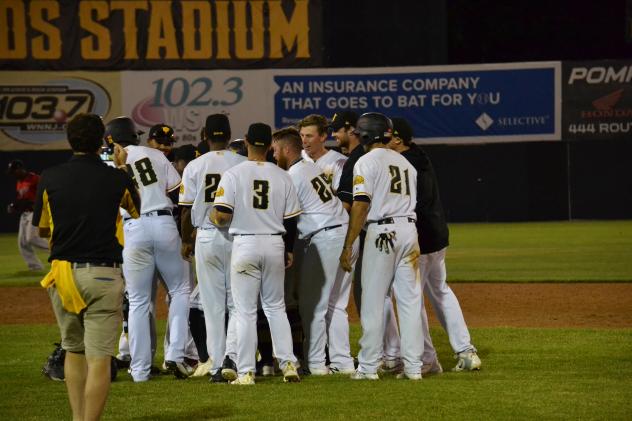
x: 180, y: 370
x: 218, y: 378
x: 229, y: 369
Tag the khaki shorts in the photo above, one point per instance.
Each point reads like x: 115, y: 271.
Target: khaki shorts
x: 96, y: 329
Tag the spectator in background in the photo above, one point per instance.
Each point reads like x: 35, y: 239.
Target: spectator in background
x: 28, y: 239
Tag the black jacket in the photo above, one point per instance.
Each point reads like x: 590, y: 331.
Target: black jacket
x: 431, y: 224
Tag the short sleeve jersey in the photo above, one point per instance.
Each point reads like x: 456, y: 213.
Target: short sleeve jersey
x: 153, y: 175
x: 200, y: 181
x: 331, y: 165
x: 389, y: 181
x: 260, y: 194
x: 321, y: 208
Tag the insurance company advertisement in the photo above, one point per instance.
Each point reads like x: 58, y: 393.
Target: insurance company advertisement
x: 597, y: 100
x: 35, y: 106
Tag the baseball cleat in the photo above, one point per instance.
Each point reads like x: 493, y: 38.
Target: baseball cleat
x: 247, y: 379
x: 359, y: 375
x: 324, y: 371
x: 391, y: 366
x: 267, y: 370
x: 432, y: 368
x: 347, y: 371
x: 467, y: 361
x: 179, y: 369
x: 229, y: 369
x: 218, y: 378
x: 409, y: 376
x: 123, y: 361
x: 290, y: 375
x: 202, y: 369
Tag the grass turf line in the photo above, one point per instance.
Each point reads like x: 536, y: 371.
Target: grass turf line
x: 527, y: 373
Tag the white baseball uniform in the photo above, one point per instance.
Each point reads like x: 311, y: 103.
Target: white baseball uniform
x: 331, y: 164
x: 324, y: 286
x: 261, y: 196
x: 152, y: 242
x: 391, y: 256
x: 213, y: 248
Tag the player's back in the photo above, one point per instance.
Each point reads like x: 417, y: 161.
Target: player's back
x: 201, y: 179
x: 153, y: 175
x: 261, y: 195
x: 389, y: 180
x: 321, y: 208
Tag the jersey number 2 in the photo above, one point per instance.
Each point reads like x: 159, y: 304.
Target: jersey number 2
x: 212, y: 181
x: 396, y: 180
x: 145, y: 171
x: 260, y: 198
x: 321, y: 185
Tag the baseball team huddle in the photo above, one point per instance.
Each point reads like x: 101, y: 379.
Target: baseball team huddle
x: 278, y: 228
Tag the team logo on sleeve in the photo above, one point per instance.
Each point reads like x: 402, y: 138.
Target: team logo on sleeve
x: 181, y: 188
x: 219, y: 192
x: 358, y: 179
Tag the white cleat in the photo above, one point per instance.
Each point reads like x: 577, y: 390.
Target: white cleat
x: 267, y: 371
x: 320, y: 371
x: 202, y: 369
x: 290, y: 374
x: 347, y: 371
x: 359, y: 375
x: 247, y: 379
x: 467, y: 361
x: 409, y: 376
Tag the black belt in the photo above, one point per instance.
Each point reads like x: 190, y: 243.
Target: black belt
x: 161, y: 212
x: 85, y: 265
x: 235, y: 235
x: 332, y: 227
x: 392, y: 221
x: 322, y: 229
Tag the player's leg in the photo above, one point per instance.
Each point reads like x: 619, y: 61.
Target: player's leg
x: 313, y: 292
x: 337, y: 317
x: 24, y: 245
x: 209, y: 260
x: 429, y: 359
x: 32, y: 234
x: 139, y: 277
x: 377, y: 272
x: 171, y: 266
x: 272, y: 298
x: 407, y: 288
x: 391, y: 356
x: 245, y: 275
x: 445, y: 303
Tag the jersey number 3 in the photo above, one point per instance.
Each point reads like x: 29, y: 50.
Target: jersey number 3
x: 260, y: 197
x: 145, y: 171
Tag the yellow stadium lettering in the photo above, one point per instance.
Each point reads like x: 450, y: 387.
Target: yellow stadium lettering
x: 190, y: 48
x: 294, y: 32
x: 12, y: 31
x: 130, y: 30
x: 222, y: 30
x: 161, y: 33
x: 46, y: 46
x: 98, y: 45
x: 256, y: 49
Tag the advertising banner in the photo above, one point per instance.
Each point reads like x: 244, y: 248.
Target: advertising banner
x: 159, y: 34
x: 448, y: 104
x: 35, y: 106
x: 597, y: 100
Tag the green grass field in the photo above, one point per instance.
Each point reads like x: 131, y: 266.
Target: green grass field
x: 527, y: 373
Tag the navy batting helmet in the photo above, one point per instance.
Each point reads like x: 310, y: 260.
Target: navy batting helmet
x: 122, y: 130
x: 374, y: 127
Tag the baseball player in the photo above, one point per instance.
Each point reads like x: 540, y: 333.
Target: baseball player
x: 313, y: 130
x: 384, y: 196
x: 324, y: 287
x: 151, y: 242
x: 342, y: 128
x: 26, y: 188
x: 213, y: 245
x: 259, y: 201
x: 433, y: 242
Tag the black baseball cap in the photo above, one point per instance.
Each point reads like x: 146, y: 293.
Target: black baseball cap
x: 15, y: 165
x: 402, y: 129
x: 186, y: 153
x: 217, y: 127
x: 343, y: 119
x: 259, y: 134
x: 162, y: 134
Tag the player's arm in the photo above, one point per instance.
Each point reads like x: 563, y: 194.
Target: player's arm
x: 221, y: 216
x: 222, y: 212
x: 357, y: 219
x: 188, y: 231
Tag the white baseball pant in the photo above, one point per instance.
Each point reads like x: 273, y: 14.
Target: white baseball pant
x: 380, y: 270
x: 258, y: 269
x: 324, y: 290
x: 28, y: 239
x: 213, y: 249
x: 153, y: 242
x: 445, y: 304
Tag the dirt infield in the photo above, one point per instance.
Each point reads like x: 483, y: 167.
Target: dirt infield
x: 590, y: 305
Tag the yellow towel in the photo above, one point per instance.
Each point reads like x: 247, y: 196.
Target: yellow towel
x: 60, y: 275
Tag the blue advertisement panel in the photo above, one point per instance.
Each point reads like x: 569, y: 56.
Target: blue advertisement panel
x: 516, y: 102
